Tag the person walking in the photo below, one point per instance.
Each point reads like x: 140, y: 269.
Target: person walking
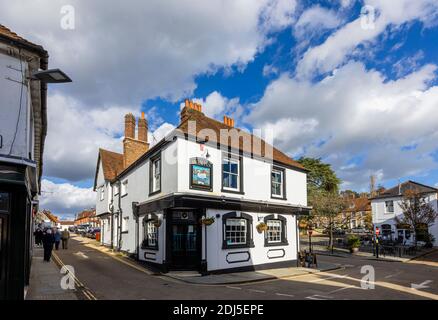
x: 57, y: 236
x: 38, y: 234
x: 65, y: 235
x: 48, y: 241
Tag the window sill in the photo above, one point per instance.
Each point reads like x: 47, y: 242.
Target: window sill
x: 238, y: 246
x: 278, y: 198
x: 232, y: 191
x: 276, y: 244
x: 124, y: 232
x: 123, y: 195
x: 154, y: 192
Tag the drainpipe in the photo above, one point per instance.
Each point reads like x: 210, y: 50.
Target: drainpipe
x: 112, y: 222
x: 119, y: 245
x: 137, y: 231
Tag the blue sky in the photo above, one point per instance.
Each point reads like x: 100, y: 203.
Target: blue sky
x: 351, y: 82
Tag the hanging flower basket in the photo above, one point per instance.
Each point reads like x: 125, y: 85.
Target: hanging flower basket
x: 262, y: 227
x: 157, y: 223
x: 207, y: 221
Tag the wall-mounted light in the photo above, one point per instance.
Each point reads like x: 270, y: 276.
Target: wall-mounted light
x: 51, y: 76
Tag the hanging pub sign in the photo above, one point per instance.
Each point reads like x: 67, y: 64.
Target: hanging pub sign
x: 201, y: 174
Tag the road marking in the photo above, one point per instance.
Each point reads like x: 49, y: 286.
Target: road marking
x: 81, y: 254
x: 284, y: 294
x: 392, y: 275
x: 318, y: 297
x: 330, y: 277
x: 344, y: 288
x: 255, y: 290
x: 87, y: 293
x: 237, y: 288
x: 422, y: 285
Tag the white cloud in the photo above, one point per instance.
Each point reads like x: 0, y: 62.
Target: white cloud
x: 314, y: 20
x: 65, y: 199
x: 215, y: 106
x: 336, y: 49
x: 269, y: 69
x: 355, y: 113
x: 121, y: 53
x: 75, y: 134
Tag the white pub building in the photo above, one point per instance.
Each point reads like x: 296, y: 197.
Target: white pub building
x: 207, y: 197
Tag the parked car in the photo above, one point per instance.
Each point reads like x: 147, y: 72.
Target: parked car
x: 359, y: 230
x: 92, y: 233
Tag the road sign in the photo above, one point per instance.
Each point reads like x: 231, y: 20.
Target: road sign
x: 377, y: 231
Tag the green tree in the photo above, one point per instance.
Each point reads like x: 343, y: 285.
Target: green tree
x: 320, y: 176
x: 323, y: 194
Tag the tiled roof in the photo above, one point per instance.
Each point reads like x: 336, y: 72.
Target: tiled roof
x: 65, y: 222
x: 112, y: 163
x: 404, y: 187
x: 86, y: 214
x: 203, y: 122
x: 7, y: 33
x: 358, y: 204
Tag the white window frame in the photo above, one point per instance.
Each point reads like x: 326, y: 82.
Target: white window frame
x: 281, y: 172
x: 102, y: 193
x: 151, y: 233
x: 231, y: 234
x: 116, y: 189
x: 386, y: 207
x: 279, y: 231
x: 231, y: 160
x: 156, y: 176
x: 124, y: 190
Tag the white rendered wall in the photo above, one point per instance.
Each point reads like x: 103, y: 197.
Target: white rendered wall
x: 10, y: 88
x: 217, y: 257
x: 256, y: 176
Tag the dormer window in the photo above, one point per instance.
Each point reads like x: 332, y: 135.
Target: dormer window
x: 278, y: 187
x: 155, y: 175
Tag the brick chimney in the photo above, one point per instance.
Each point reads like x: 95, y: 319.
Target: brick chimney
x: 134, y: 148
x: 129, y: 126
x: 229, y: 121
x: 189, y: 107
x: 142, y: 128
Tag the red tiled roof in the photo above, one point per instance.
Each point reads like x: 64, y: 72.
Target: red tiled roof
x: 112, y: 163
x: 10, y: 35
x: 203, y: 122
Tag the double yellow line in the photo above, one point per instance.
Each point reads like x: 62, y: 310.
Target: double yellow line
x: 87, y: 293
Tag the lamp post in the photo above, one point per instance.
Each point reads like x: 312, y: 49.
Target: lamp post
x: 377, y: 232
x: 310, y: 231
x: 51, y: 76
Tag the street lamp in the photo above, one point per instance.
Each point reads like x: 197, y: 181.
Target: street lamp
x: 51, y: 76
x: 310, y: 231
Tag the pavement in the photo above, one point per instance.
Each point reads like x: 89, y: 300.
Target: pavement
x: 45, y: 280
x: 109, y: 276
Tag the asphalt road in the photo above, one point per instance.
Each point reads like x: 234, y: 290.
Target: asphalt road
x: 104, y: 277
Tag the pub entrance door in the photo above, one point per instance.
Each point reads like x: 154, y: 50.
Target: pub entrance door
x: 185, y: 239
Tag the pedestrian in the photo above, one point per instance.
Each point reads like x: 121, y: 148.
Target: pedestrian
x: 57, y: 236
x: 65, y: 235
x: 38, y: 234
x: 48, y: 241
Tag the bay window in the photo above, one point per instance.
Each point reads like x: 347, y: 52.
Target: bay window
x: 150, y: 235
